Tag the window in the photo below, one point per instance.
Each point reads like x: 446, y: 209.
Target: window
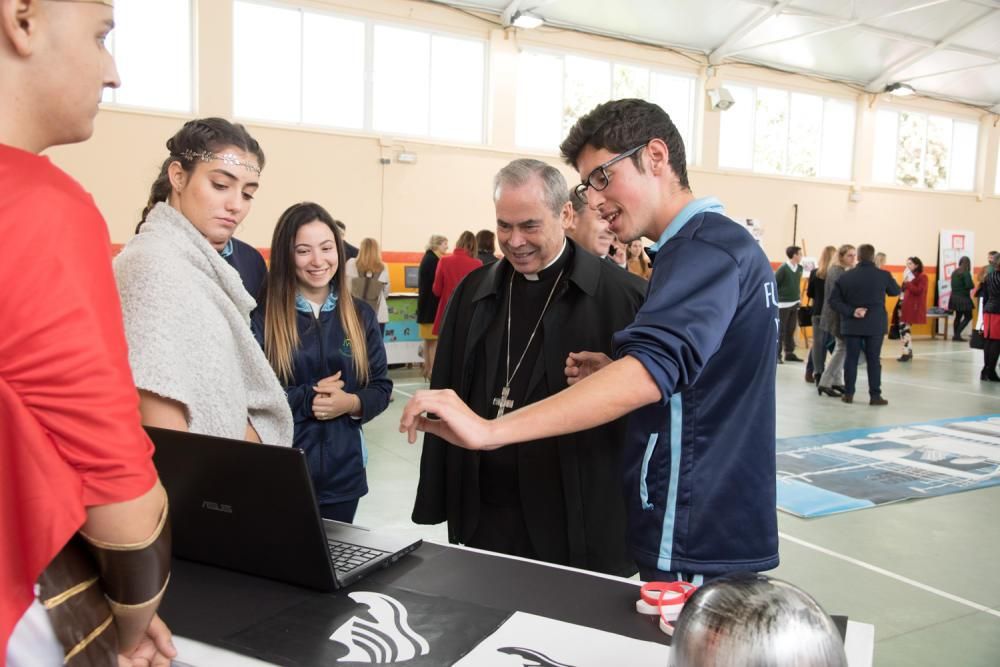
x: 924, y: 151
x: 776, y: 131
x: 298, y: 66
x: 152, y: 46
x: 428, y: 84
x: 555, y: 90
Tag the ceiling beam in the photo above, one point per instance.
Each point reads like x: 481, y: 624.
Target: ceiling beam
x: 878, y: 83
x: 911, y: 79
x: 842, y: 26
x: 875, y: 30
x: 720, y: 52
x: 507, y: 15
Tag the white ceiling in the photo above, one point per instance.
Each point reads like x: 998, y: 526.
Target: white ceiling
x: 947, y: 49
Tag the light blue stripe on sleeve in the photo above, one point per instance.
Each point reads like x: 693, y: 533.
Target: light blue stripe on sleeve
x: 665, y: 561
x: 364, y: 449
x: 643, y: 488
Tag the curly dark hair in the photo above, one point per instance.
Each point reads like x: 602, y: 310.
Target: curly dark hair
x: 620, y: 125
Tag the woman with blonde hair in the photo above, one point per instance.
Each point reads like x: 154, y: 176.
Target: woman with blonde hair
x: 816, y: 292
x: 368, y: 279
x: 832, y: 381
x: 427, y: 301
x: 326, y: 350
x: 638, y: 263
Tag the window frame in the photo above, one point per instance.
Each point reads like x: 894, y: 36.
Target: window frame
x: 927, y: 114
x: 691, y: 144
x: 824, y: 97
x: 113, y: 104
x: 368, y: 102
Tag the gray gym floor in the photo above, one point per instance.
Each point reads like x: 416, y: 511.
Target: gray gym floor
x: 923, y: 572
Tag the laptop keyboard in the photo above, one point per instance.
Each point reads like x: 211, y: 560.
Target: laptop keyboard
x: 346, y: 557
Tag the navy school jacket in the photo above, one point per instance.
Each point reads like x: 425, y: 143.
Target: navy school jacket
x: 335, y: 449
x: 700, y: 463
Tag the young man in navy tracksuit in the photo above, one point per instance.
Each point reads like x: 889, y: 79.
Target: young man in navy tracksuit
x: 696, y: 368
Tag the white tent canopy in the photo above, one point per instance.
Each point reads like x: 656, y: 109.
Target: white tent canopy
x: 946, y: 49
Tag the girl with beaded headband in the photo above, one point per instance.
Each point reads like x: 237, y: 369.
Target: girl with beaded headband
x: 186, y: 311
x: 326, y: 348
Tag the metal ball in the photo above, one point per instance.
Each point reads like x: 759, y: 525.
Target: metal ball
x: 752, y: 620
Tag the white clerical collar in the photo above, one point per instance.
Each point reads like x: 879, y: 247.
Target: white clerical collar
x: 534, y: 276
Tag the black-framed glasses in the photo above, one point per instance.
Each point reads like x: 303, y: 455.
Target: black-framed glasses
x: 599, y: 178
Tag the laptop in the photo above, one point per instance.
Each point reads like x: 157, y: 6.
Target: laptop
x: 252, y: 508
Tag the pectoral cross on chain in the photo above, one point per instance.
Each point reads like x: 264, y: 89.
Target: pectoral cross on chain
x: 503, y: 402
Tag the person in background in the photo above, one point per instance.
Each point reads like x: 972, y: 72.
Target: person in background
x: 859, y: 297
x: 788, y: 277
x: 637, y: 261
x: 350, y: 251
x: 427, y: 301
x: 618, y: 253
x: 368, y: 279
x: 989, y: 292
x: 250, y: 264
x: 914, y: 298
x: 327, y: 350
x: 831, y: 382
x: 961, y: 299
x: 77, y: 481
x: 486, y: 243
x: 186, y: 312
x: 986, y: 269
x: 816, y: 292
x: 880, y: 259
x: 589, y: 230
x: 451, y: 270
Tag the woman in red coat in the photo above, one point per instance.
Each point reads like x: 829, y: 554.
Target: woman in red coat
x: 914, y: 298
x: 451, y: 270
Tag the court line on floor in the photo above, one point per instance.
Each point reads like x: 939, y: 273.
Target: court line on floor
x: 936, y: 388
x: 404, y: 393
x: 892, y: 575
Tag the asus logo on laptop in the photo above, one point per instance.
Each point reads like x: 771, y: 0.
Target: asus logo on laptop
x: 216, y: 507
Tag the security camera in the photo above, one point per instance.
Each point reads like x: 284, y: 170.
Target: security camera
x: 721, y: 99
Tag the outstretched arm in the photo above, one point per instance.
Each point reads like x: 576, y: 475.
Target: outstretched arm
x: 616, y: 390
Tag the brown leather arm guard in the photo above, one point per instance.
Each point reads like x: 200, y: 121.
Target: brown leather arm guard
x: 134, y: 578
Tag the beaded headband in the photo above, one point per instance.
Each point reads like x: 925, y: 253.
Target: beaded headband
x: 225, y: 158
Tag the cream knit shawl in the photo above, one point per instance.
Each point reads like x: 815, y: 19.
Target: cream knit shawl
x: 187, y: 321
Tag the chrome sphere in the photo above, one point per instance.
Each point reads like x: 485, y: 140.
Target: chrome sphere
x: 752, y: 620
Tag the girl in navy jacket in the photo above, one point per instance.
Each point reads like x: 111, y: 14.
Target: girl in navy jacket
x: 330, y: 359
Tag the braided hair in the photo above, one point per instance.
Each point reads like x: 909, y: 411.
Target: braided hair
x: 199, y: 135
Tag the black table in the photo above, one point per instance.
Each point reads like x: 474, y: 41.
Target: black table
x: 252, y: 615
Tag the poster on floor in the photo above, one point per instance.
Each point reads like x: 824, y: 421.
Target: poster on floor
x: 851, y: 470
x: 954, y: 245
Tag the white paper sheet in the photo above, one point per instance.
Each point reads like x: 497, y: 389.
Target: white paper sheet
x: 561, y: 644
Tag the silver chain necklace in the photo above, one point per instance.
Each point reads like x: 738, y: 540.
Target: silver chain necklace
x: 503, y: 401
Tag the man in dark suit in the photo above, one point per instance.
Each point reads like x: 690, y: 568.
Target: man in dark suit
x: 859, y: 297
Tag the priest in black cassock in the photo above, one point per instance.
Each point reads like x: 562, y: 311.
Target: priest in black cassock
x: 507, y: 332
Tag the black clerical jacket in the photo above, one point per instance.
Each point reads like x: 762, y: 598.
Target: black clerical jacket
x: 595, y: 301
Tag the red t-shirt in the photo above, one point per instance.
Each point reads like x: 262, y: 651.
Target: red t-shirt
x: 70, y: 435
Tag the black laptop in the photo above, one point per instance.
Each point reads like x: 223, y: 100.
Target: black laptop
x: 252, y: 508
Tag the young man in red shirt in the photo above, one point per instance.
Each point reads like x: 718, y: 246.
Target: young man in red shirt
x: 76, y: 471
